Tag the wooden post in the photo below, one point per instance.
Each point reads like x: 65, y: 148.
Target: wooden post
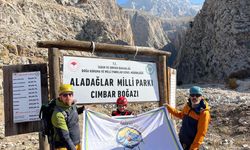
x: 163, y: 80
x: 168, y: 72
x: 54, y: 72
x: 43, y: 142
x: 54, y: 83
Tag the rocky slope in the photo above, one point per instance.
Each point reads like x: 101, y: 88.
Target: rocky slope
x: 24, y: 22
x: 29, y: 21
x: 230, y: 114
x: 217, y: 46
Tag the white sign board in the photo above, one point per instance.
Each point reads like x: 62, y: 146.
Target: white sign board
x: 26, y: 96
x: 104, y: 80
x: 172, y: 87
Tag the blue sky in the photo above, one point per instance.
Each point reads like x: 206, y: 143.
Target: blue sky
x: 194, y: 1
x: 197, y: 1
x: 121, y: 1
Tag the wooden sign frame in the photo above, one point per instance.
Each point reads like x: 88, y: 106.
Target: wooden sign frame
x: 12, y: 128
x: 54, y: 48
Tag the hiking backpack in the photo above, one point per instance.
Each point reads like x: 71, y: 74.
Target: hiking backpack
x: 45, y: 115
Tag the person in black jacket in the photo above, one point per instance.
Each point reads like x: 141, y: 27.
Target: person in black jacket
x: 121, y: 110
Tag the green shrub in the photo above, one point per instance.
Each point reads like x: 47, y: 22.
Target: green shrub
x: 232, y: 83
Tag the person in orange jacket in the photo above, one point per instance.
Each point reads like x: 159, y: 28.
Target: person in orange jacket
x: 195, y: 119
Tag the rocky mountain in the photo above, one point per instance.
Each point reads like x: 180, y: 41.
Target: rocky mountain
x: 147, y: 30
x: 24, y: 22
x: 164, y: 8
x: 175, y: 29
x: 217, y: 46
x: 219, y: 37
x: 39, y: 20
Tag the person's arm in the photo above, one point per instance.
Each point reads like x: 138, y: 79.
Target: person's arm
x: 202, y: 130
x: 175, y: 112
x: 59, y: 122
x: 80, y: 109
x: 130, y: 113
x: 114, y: 113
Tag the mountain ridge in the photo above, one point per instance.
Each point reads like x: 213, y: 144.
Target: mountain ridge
x: 164, y: 8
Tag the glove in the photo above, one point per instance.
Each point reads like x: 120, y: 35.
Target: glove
x: 80, y: 109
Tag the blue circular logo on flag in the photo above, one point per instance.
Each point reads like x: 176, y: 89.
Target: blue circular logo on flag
x: 129, y: 137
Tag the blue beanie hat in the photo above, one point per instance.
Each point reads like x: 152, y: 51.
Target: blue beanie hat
x: 195, y: 90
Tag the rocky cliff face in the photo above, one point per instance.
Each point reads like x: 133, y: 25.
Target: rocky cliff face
x: 218, y: 44
x: 29, y: 21
x: 147, y: 30
x: 24, y: 22
x: 108, y: 18
x: 175, y: 29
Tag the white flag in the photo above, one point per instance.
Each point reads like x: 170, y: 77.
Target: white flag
x: 152, y: 130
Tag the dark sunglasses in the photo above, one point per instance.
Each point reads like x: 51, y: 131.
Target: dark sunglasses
x: 67, y: 94
x: 195, y: 95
